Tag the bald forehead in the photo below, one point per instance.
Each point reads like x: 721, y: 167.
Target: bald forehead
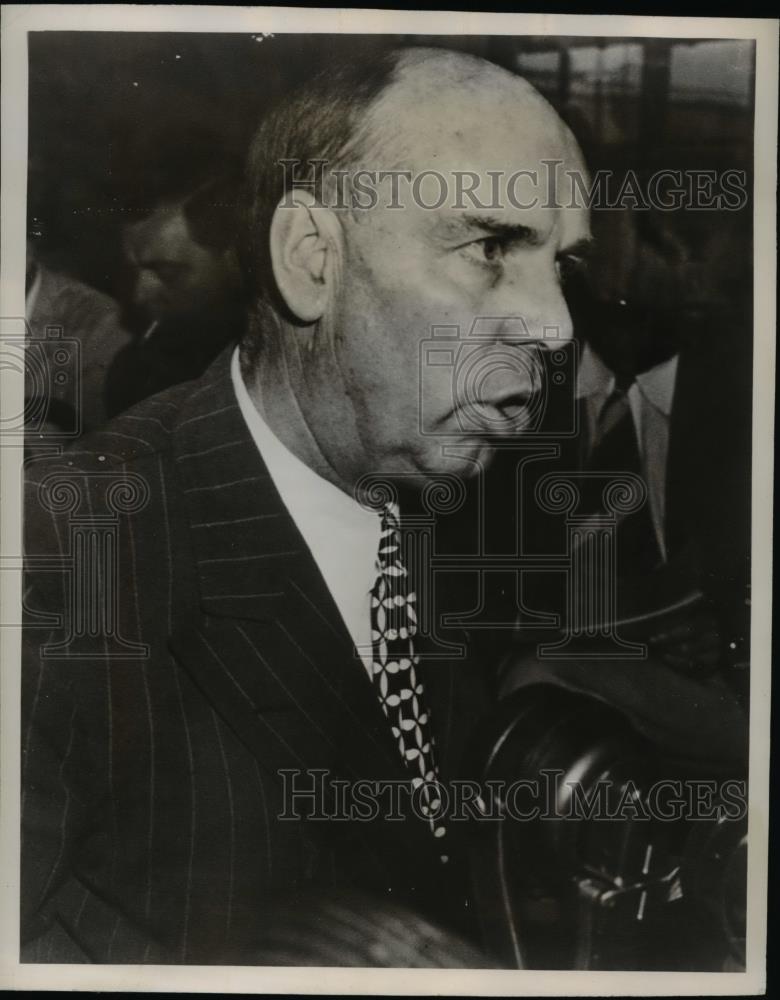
x: 436, y: 72
x: 451, y: 105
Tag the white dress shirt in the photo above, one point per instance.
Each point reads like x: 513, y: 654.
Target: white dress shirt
x: 343, y: 536
x: 650, y: 398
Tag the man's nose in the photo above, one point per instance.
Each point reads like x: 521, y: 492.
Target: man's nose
x: 534, y: 308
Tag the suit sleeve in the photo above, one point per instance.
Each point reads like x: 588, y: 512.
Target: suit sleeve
x: 64, y: 775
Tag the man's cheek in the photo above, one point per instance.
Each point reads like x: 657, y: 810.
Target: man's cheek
x: 439, y: 306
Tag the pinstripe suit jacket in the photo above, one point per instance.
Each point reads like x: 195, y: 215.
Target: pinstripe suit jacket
x: 152, y: 743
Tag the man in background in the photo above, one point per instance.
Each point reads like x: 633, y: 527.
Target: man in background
x: 186, y: 292
x: 662, y: 392
x: 68, y: 396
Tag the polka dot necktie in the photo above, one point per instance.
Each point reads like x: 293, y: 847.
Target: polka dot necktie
x: 394, y: 669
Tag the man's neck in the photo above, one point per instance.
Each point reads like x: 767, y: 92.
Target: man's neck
x: 276, y: 386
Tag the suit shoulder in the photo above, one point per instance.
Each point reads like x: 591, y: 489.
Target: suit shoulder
x: 65, y: 290
x: 139, y: 450
x: 133, y: 438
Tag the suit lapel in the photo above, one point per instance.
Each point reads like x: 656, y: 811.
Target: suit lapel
x: 259, y: 582
x: 270, y: 651
x: 684, y: 484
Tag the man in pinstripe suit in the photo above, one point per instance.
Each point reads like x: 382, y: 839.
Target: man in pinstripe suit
x: 199, y: 573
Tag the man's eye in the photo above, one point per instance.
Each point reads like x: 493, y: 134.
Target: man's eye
x: 168, y: 273
x: 493, y: 248
x: 488, y: 250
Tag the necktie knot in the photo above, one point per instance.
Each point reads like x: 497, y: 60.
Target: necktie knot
x: 390, y: 517
x: 388, y: 559
x: 615, y: 409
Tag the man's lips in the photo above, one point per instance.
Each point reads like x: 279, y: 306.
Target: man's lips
x: 510, y: 389
x: 500, y: 415
x: 499, y: 394
x: 515, y: 404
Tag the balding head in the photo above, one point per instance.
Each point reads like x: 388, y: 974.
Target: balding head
x: 449, y: 112
x: 396, y: 111
x: 436, y: 94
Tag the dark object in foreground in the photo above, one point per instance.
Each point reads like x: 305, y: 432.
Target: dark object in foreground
x: 351, y: 928
x: 617, y: 879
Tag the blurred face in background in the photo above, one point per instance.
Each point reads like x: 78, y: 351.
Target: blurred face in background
x: 176, y: 277
x: 656, y: 283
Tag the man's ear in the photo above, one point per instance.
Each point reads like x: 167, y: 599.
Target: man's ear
x: 305, y: 240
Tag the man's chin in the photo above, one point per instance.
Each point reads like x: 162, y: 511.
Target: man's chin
x: 463, y: 458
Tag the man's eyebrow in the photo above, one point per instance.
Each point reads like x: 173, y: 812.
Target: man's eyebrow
x: 582, y: 247
x: 513, y: 232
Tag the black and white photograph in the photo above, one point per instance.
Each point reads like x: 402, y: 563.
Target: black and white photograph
x: 387, y: 447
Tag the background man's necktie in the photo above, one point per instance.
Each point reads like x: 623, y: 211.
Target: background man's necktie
x: 616, y: 449
x: 395, y: 667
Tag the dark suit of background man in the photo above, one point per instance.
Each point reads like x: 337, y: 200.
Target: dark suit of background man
x: 246, y: 641
x: 666, y: 346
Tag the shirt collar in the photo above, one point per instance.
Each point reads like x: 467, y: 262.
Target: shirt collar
x: 342, y: 536
x: 657, y: 384
x: 594, y: 378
